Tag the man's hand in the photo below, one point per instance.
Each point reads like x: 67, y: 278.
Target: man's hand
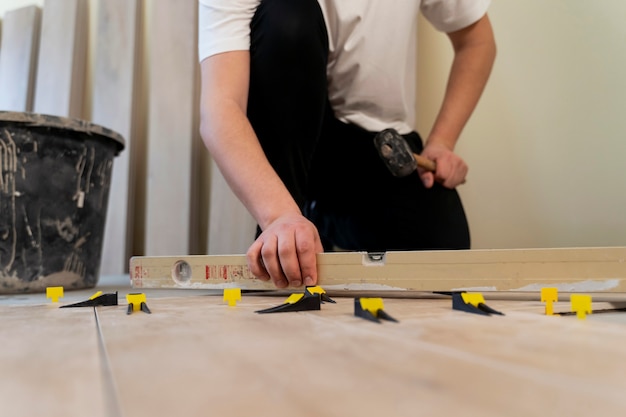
x: 286, y: 252
x: 451, y: 168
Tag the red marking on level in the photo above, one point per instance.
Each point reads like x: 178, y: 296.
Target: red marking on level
x: 137, y: 276
x: 207, y: 274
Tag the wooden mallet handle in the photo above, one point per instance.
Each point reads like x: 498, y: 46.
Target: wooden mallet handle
x: 427, y: 164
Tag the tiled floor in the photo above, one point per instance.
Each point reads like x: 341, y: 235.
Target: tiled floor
x: 196, y: 356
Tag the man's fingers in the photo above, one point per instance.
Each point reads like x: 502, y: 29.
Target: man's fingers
x: 270, y: 255
x: 428, y: 179
x: 255, y: 262
x: 286, y: 253
x: 451, y: 169
x: 455, y: 180
x: 308, y: 248
x: 451, y: 172
x: 457, y: 175
x: 288, y: 258
x: 263, y: 261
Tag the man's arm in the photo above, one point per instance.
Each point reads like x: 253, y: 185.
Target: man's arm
x: 285, y: 251
x: 474, y: 54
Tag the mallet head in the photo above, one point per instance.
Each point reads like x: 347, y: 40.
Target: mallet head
x: 395, y: 153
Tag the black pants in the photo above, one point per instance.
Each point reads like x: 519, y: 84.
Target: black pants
x: 332, y: 168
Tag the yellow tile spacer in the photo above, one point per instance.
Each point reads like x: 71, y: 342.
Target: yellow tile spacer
x: 293, y: 298
x: 473, y: 298
x: 96, y: 295
x: 232, y: 295
x: 549, y: 295
x: 136, y: 299
x: 54, y: 293
x: 373, y: 305
x: 316, y: 290
x: 581, y: 305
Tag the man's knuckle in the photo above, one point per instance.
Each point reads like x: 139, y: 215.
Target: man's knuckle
x: 305, y: 246
x: 285, y: 250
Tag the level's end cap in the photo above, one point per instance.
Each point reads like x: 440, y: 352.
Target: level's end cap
x: 78, y: 125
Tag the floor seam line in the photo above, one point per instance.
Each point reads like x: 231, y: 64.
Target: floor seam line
x: 111, y: 397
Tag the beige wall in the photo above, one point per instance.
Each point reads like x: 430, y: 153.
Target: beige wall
x: 547, y: 145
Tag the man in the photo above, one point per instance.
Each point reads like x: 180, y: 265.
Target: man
x: 293, y: 92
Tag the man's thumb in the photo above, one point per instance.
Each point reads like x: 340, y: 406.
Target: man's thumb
x: 428, y: 179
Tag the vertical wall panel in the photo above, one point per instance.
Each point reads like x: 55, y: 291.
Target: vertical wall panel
x: 231, y: 227
x: 60, y: 83
x: 172, y: 130
x: 113, y: 106
x: 18, y: 58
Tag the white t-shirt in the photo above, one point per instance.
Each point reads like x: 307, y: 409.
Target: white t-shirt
x: 371, y: 66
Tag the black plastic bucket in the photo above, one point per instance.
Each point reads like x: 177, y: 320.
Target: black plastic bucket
x: 55, y: 176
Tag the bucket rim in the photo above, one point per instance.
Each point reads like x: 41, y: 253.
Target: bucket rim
x: 60, y: 122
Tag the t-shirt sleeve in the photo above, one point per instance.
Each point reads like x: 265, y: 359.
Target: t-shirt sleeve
x: 224, y: 25
x: 451, y: 15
